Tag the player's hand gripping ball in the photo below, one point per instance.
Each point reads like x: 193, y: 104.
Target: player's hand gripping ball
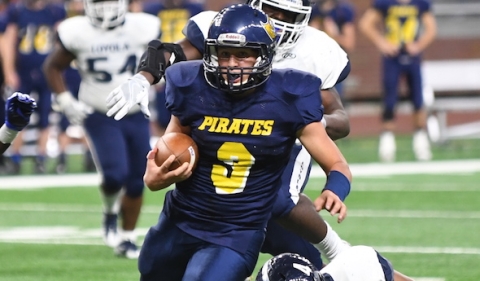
x: 178, y: 144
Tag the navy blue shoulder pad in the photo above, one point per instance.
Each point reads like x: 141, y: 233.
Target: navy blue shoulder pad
x: 185, y: 73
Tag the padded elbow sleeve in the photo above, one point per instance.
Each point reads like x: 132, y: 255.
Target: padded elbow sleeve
x: 153, y: 60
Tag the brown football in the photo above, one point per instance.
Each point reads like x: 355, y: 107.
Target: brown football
x: 178, y: 144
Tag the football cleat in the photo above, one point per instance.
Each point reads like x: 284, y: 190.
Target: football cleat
x: 110, y: 232
x: 127, y: 249
x: 387, y: 147
x: 421, y: 146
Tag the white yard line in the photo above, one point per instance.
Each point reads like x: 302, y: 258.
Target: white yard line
x: 354, y: 213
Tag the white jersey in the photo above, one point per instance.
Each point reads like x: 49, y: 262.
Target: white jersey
x: 315, y: 51
x: 106, y: 58
x: 359, y: 263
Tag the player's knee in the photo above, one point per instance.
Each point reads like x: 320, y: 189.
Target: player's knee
x: 112, y: 184
x: 134, y: 191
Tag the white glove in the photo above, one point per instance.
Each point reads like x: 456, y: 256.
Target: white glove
x: 74, y: 110
x: 125, y: 96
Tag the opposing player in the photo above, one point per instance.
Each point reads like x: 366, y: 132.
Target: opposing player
x: 18, y: 109
x: 245, y: 118
x: 107, y: 44
x: 301, y: 47
x: 358, y: 263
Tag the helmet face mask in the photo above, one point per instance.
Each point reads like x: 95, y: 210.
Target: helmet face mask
x: 106, y: 14
x: 237, y: 28
x: 288, y: 32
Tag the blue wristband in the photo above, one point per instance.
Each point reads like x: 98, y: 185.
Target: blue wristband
x: 338, y: 184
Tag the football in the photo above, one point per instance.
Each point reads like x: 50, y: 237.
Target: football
x: 178, y: 144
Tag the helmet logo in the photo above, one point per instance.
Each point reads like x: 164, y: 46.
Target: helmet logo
x: 232, y: 39
x: 268, y: 26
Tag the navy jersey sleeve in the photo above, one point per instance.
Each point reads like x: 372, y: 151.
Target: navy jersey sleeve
x: 381, y: 6
x: 193, y: 33
x: 180, y: 80
x: 12, y: 14
x: 305, y: 88
x: 424, y: 6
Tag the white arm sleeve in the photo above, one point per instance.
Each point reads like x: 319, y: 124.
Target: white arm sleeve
x: 359, y: 263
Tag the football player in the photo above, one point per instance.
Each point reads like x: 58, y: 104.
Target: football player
x: 401, y: 30
x: 18, y: 109
x: 358, y: 263
x: 245, y: 119
x: 28, y: 39
x: 301, y: 47
x: 106, y: 45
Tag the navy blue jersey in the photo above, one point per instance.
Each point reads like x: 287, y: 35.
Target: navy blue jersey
x: 36, y: 32
x: 172, y: 20
x: 402, y: 20
x: 342, y: 13
x: 244, y: 146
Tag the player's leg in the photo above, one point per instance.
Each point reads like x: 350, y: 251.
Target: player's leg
x: 421, y: 143
x: 137, y: 136
x: 63, y: 142
x: 166, y: 252
x: 391, y: 75
x: 221, y: 263
x: 109, y: 148
x: 44, y: 109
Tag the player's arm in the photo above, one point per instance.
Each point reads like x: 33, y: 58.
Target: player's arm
x: 324, y: 151
x: 189, y: 52
x: 160, y: 177
x: 8, y: 53
x: 426, y: 38
x: 53, y: 67
x: 156, y: 59
x: 336, y: 119
x: 18, y: 109
x: 370, y: 25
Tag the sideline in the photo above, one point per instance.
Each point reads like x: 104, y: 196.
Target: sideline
x: 358, y: 170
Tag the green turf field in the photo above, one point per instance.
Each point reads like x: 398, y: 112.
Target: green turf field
x: 424, y: 218
x: 426, y: 224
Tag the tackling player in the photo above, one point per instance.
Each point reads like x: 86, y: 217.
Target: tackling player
x: 107, y: 44
x: 357, y: 263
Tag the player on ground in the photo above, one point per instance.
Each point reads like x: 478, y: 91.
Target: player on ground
x: 18, y: 109
x: 245, y: 119
x: 357, y: 263
x: 107, y: 44
x: 301, y: 47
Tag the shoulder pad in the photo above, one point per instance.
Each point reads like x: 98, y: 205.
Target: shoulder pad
x: 297, y: 82
x: 184, y: 74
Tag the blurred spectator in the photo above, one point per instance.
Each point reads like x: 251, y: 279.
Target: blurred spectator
x: 336, y: 18
x: 28, y: 39
x: 394, y: 28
